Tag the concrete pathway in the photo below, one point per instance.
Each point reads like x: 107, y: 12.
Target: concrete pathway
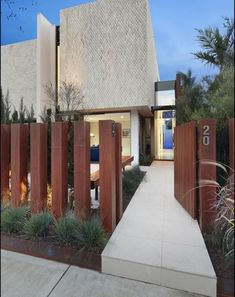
x: 157, y: 241
x: 26, y: 276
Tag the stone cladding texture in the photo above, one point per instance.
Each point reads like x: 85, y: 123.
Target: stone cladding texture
x: 107, y: 48
x: 18, y: 72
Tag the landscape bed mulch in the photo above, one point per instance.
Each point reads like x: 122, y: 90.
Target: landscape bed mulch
x: 49, y: 250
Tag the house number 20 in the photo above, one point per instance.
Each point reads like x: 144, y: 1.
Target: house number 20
x: 206, y: 135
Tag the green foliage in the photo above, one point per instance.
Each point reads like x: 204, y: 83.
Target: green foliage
x: 146, y: 160
x: 91, y: 234
x: 38, y: 225
x: 217, y: 47
x: 21, y: 116
x: 5, y: 108
x: 192, y: 103
x: 131, y: 180
x: 13, y: 219
x: 66, y: 227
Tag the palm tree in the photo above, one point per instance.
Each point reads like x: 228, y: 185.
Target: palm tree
x: 218, y: 47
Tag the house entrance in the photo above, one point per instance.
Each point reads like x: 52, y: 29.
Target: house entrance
x: 164, y: 124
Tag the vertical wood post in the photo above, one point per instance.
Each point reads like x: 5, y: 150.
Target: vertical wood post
x: 19, y: 163
x: 82, y: 198
x: 5, y: 160
x: 207, y: 193
x: 118, y: 167
x: 59, y: 167
x: 107, y: 174
x: 38, y: 158
x: 231, y: 143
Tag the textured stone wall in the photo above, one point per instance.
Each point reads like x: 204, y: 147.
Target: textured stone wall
x: 18, y: 72
x: 107, y: 48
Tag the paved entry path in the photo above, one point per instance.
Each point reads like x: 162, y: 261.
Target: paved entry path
x: 157, y: 241
x: 26, y: 276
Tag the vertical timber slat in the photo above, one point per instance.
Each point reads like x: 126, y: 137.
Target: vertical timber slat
x: 38, y: 158
x: 107, y: 175
x: 5, y: 159
x: 207, y: 193
x: 59, y: 167
x: 185, y: 166
x: 82, y: 200
x: 19, y: 163
x: 118, y: 158
x: 231, y: 143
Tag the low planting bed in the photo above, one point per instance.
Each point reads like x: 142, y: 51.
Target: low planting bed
x: 68, y: 240
x: 130, y: 182
x: 50, y: 250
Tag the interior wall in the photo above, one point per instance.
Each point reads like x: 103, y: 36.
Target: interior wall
x: 94, y: 129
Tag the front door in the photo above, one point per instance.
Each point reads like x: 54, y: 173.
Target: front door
x: 164, y: 123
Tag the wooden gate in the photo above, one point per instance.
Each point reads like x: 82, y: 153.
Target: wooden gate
x: 195, y: 170
x: 185, y: 166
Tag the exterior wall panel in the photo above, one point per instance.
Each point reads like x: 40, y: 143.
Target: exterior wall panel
x: 104, y: 49
x: 18, y: 72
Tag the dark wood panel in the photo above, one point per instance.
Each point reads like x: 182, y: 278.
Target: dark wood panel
x: 59, y: 167
x: 5, y: 160
x: 107, y: 175
x: 19, y: 163
x: 185, y: 166
x: 82, y: 200
x: 38, y: 166
x: 207, y: 172
x: 118, y: 166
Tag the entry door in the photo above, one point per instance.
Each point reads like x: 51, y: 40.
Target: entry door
x: 164, y: 129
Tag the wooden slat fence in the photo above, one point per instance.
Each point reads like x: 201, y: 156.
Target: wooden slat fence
x: 19, y: 160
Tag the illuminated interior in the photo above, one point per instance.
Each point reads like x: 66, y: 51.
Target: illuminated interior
x: 164, y: 123
x: 123, y: 118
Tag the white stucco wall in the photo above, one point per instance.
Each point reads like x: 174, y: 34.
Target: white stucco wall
x: 46, y: 61
x: 18, y: 72
x: 107, y: 48
x: 164, y: 98
x: 135, y: 136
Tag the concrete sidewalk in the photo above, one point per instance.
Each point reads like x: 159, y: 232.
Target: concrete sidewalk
x: 26, y: 276
x: 157, y: 241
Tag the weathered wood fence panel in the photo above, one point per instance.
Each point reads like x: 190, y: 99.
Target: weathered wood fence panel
x: 38, y: 167
x: 231, y: 143
x: 185, y: 166
x: 5, y: 160
x: 207, y: 173
x: 19, y: 163
x: 59, y: 167
x: 82, y: 199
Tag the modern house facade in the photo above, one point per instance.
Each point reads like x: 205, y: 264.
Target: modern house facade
x: 107, y: 48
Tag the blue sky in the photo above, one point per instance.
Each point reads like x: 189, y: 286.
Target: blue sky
x: 174, y: 23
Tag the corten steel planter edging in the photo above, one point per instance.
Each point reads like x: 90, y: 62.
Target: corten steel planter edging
x: 49, y: 251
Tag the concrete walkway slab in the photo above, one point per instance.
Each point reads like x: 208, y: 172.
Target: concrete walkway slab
x: 24, y: 276
x: 157, y: 241
x: 83, y: 283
